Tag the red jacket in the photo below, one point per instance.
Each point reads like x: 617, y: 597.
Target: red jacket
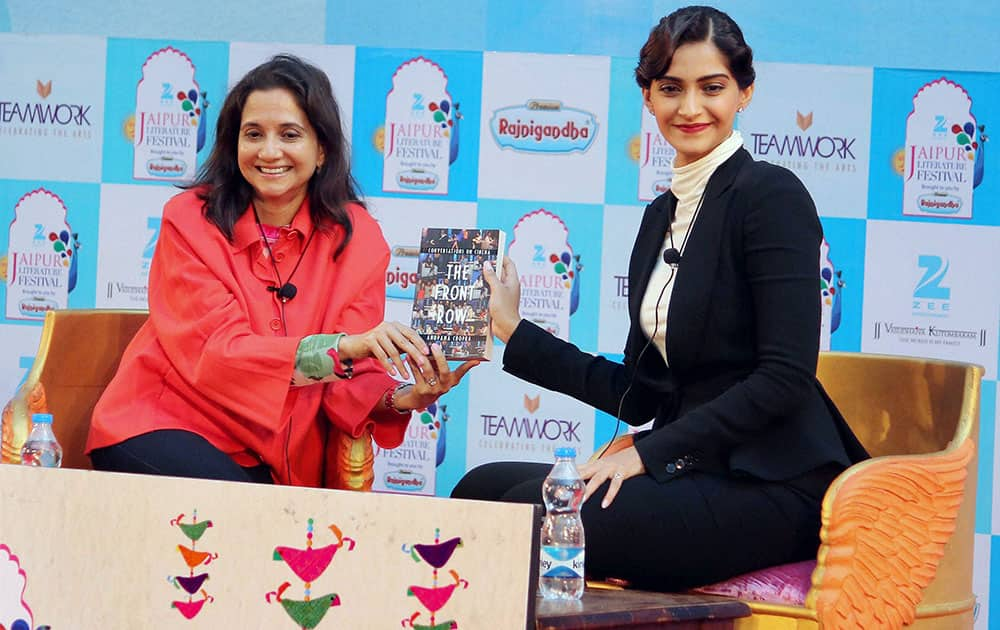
x: 213, y: 358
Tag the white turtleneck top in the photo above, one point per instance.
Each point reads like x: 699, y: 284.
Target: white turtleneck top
x: 688, y: 185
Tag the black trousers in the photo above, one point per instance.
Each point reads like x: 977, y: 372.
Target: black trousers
x: 694, y: 530
x: 175, y: 453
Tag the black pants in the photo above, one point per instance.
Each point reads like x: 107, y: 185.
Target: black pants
x: 694, y: 530
x: 177, y: 454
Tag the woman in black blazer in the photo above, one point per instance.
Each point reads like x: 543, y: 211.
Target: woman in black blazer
x: 721, y: 354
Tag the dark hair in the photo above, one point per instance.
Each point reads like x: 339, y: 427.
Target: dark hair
x: 692, y: 25
x: 226, y: 194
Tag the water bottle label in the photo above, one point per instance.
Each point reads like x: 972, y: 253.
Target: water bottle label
x: 562, y: 562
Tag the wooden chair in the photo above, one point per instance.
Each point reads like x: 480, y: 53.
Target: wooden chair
x: 78, y: 354
x: 898, y: 529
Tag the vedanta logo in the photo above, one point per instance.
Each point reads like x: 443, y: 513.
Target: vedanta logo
x: 543, y: 126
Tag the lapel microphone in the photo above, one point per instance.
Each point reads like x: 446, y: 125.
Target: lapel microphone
x: 286, y: 291
x: 671, y: 256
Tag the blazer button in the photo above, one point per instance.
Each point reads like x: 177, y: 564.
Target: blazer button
x: 279, y: 256
x: 275, y: 324
x: 671, y: 468
x: 290, y: 235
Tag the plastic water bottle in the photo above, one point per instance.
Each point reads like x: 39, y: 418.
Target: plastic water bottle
x: 41, y: 447
x: 561, y: 566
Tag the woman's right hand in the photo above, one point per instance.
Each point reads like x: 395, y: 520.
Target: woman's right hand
x: 505, y: 299
x: 387, y: 342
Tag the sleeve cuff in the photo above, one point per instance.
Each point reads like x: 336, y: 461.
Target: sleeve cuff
x: 659, y: 468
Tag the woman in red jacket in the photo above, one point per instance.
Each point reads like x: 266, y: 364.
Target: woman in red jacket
x: 266, y: 299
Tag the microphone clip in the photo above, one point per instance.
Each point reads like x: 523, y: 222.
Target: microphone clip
x: 671, y: 256
x: 285, y: 292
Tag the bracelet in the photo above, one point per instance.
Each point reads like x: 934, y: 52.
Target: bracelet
x: 390, y: 399
x: 344, y: 368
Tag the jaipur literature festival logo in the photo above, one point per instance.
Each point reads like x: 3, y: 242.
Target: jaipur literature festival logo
x: 943, y: 150
x: 655, y: 157
x: 40, y: 258
x: 169, y: 125
x: 420, y: 138
x: 543, y: 126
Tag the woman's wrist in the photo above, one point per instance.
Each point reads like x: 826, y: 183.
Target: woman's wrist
x: 395, y: 399
x: 503, y: 328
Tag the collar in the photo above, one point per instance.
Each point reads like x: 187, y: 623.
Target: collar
x: 245, y: 232
x: 689, y: 181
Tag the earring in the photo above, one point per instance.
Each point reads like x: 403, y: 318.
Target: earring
x: 739, y: 110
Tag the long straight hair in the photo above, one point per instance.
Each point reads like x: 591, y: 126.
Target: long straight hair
x: 221, y: 186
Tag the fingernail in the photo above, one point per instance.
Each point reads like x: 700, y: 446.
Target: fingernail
x: 604, y: 505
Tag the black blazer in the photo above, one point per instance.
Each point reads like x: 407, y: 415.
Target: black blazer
x: 742, y: 335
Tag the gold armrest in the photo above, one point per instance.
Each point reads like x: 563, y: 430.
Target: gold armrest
x: 16, y: 420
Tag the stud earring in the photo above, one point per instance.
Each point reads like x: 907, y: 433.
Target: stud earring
x: 739, y: 110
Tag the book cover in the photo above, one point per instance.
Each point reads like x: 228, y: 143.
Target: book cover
x: 451, y: 302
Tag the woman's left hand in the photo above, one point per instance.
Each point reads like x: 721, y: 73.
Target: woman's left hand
x: 614, y: 469
x: 432, y: 381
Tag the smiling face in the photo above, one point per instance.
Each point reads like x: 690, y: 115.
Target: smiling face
x: 695, y: 101
x: 278, y: 152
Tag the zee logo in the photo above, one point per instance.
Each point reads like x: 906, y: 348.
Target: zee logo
x: 930, y: 297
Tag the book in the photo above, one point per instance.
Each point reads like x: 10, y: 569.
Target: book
x: 451, y: 302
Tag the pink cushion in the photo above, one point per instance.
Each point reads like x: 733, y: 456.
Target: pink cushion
x: 784, y: 584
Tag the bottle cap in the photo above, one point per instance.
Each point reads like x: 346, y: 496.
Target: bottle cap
x: 566, y: 451
x: 41, y: 418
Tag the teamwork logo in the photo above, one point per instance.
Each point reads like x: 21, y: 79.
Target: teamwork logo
x: 543, y: 126
x: 818, y: 125
x: 804, y: 145
x: 44, y: 117
x: 931, y: 298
